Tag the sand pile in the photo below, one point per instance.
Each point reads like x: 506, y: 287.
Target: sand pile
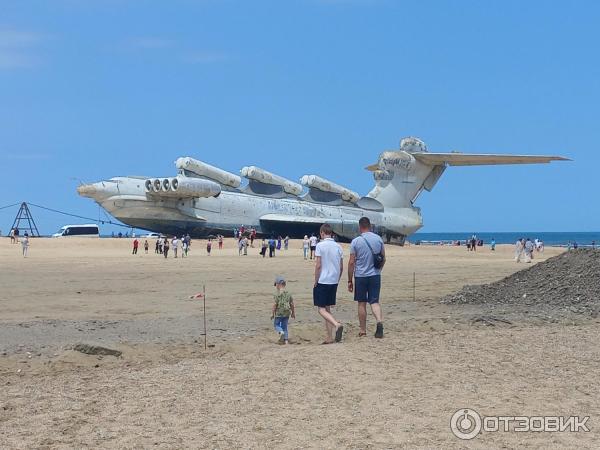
x: 568, y: 282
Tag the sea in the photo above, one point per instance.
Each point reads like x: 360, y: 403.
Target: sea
x: 554, y: 238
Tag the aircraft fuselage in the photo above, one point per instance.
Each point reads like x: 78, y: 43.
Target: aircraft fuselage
x: 126, y: 199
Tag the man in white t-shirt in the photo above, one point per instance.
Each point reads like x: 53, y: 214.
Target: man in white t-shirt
x: 175, y: 244
x: 328, y: 271
x: 313, y: 245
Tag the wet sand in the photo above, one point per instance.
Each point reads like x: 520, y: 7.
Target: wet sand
x: 246, y: 391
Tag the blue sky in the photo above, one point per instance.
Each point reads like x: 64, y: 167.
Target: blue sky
x: 91, y: 89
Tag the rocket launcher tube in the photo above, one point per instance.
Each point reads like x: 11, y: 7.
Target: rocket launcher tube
x: 322, y: 184
x: 208, y: 171
x: 262, y: 176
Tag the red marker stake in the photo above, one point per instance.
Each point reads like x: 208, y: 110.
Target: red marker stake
x: 202, y: 295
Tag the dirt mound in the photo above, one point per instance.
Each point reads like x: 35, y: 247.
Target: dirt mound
x: 569, y: 282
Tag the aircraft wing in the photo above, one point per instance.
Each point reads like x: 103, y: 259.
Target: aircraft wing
x: 284, y: 218
x: 473, y: 159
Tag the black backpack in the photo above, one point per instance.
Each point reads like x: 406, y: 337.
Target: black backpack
x: 378, y: 258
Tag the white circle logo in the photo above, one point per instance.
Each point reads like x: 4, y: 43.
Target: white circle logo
x: 465, y: 423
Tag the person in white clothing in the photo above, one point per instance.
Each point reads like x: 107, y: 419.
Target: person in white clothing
x: 328, y: 271
x: 313, y: 245
x: 25, y: 245
x: 519, y: 250
x: 305, y: 245
x: 175, y: 244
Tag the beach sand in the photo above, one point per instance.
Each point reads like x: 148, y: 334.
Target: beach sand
x: 244, y: 390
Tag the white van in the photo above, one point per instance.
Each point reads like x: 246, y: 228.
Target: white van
x: 87, y: 230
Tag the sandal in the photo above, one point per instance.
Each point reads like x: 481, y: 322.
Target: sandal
x: 326, y: 342
x: 339, y: 333
x: 362, y: 334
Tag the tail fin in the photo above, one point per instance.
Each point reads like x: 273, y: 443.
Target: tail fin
x: 400, y: 176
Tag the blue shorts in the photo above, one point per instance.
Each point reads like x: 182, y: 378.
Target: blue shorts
x: 324, y: 295
x: 366, y: 289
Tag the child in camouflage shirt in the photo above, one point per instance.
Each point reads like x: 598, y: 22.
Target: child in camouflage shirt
x: 283, y: 308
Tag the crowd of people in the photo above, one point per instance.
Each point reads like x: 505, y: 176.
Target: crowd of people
x: 24, y: 241
x: 164, y: 244
x: 524, y: 249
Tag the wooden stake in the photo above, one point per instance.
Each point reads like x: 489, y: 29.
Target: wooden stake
x: 204, y: 307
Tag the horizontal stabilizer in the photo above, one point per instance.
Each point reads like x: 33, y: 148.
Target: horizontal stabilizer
x: 465, y: 159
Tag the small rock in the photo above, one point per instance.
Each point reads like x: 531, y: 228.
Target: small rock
x: 96, y: 350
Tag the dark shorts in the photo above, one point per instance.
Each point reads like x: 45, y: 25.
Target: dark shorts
x: 366, y: 289
x: 324, y: 295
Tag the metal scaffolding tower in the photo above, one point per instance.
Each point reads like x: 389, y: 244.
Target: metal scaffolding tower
x: 24, y: 216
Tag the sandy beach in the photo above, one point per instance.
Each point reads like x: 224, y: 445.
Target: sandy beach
x: 245, y: 391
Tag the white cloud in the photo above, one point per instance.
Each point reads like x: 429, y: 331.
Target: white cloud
x: 172, y: 48
x: 149, y: 43
x: 26, y: 156
x: 203, y: 57
x: 349, y: 2
x: 20, y: 39
x: 18, y: 49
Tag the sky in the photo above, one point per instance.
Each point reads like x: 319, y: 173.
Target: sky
x: 91, y: 89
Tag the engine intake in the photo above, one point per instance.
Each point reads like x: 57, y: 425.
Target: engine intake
x: 182, y: 187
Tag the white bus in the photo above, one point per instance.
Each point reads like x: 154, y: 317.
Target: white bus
x: 87, y: 230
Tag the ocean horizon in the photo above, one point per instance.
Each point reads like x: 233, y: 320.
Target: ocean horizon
x: 555, y: 238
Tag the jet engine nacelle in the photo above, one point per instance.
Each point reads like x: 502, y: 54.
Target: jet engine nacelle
x: 315, y: 181
x: 181, y: 187
x: 262, y: 176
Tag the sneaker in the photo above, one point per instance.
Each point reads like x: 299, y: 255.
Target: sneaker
x: 379, y: 331
x: 281, y: 337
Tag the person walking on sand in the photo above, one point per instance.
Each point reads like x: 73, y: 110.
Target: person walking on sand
x: 528, y: 246
x: 136, y: 244
x: 25, y: 245
x: 220, y: 242
x: 328, y: 271
x: 166, y: 247
x: 208, y: 247
x: 313, y: 245
x: 283, y: 308
x: 146, y: 246
x: 286, y: 242
x: 367, y: 258
x: 271, y: 247
x: 175, y: 245
x: 305, y: 245
x: 263, y: 248
x: 518, y: 250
